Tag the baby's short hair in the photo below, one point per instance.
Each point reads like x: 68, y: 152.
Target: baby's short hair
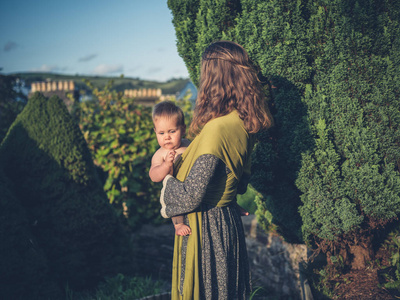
x: 168, y: 109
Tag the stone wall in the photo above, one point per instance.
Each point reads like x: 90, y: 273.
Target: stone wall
x: 276, y: 265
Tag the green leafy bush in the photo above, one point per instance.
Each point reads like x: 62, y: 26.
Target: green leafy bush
x: 247, y: 200
x: 121, y: 138
x: 45, y: 157
x: 264, y: 216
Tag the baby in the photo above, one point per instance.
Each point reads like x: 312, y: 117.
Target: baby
x: 169, y: 125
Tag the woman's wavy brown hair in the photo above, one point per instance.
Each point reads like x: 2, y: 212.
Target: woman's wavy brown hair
x: 228, y: 81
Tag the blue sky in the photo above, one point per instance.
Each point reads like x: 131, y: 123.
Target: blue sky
x: 105, y: 38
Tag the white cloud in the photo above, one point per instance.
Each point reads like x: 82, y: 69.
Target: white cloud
x: 108, y: 69
x: 87, y: 57
x: 48, y: 68
x: 135, y: 68
x: 10, y: 46
x: 154, y: 70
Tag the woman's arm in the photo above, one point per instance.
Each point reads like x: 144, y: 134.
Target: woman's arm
x: 183, y: 197
x: 245, y: 178
x: 242, y: 185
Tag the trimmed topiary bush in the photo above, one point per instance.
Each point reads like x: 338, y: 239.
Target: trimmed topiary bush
x: 350, y: 182
x: 275, y: 34
x: 25, y: 272
x: 45, y: 157
x: 197, y: 24
x: 334, y: 153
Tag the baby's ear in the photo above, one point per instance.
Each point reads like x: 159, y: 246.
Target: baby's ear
x: 184, y: 129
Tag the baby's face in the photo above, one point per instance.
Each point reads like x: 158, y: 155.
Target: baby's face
x: 169, y: 134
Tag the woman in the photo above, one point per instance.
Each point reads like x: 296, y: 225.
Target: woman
x: 211, y: 263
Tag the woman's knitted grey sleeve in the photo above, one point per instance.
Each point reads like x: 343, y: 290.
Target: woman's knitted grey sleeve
x: 183, y: 197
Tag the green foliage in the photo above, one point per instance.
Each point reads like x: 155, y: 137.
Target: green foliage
x: 264, y: 216
x: 391, y: 275
x: 277, y: 157
x: 120, y: 287
x: 247, y: 200
x: 326, y: 210
x: 121, y: 138
x: 274, y: 34
x: 46, y: 159
x: 350, y: 182
x: 12, y: 101
x: 184, y: 20
x: 187, y: 108
x: 257, y: 291
x: 325, y: 285
x: 197, y: 24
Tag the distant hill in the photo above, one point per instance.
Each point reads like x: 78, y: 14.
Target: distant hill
x: 171, y: 86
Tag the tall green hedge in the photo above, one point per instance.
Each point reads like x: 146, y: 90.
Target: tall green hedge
x: 45, y: 157
x: 197, y: 24
x: 330, y: 166
x: 350, y: 183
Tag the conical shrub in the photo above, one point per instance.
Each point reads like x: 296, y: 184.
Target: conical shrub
x: 46, y: 158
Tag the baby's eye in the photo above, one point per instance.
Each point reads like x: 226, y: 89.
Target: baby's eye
x: 172, y: 131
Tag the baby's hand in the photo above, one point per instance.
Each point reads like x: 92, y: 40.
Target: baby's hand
x: 170, y: 157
